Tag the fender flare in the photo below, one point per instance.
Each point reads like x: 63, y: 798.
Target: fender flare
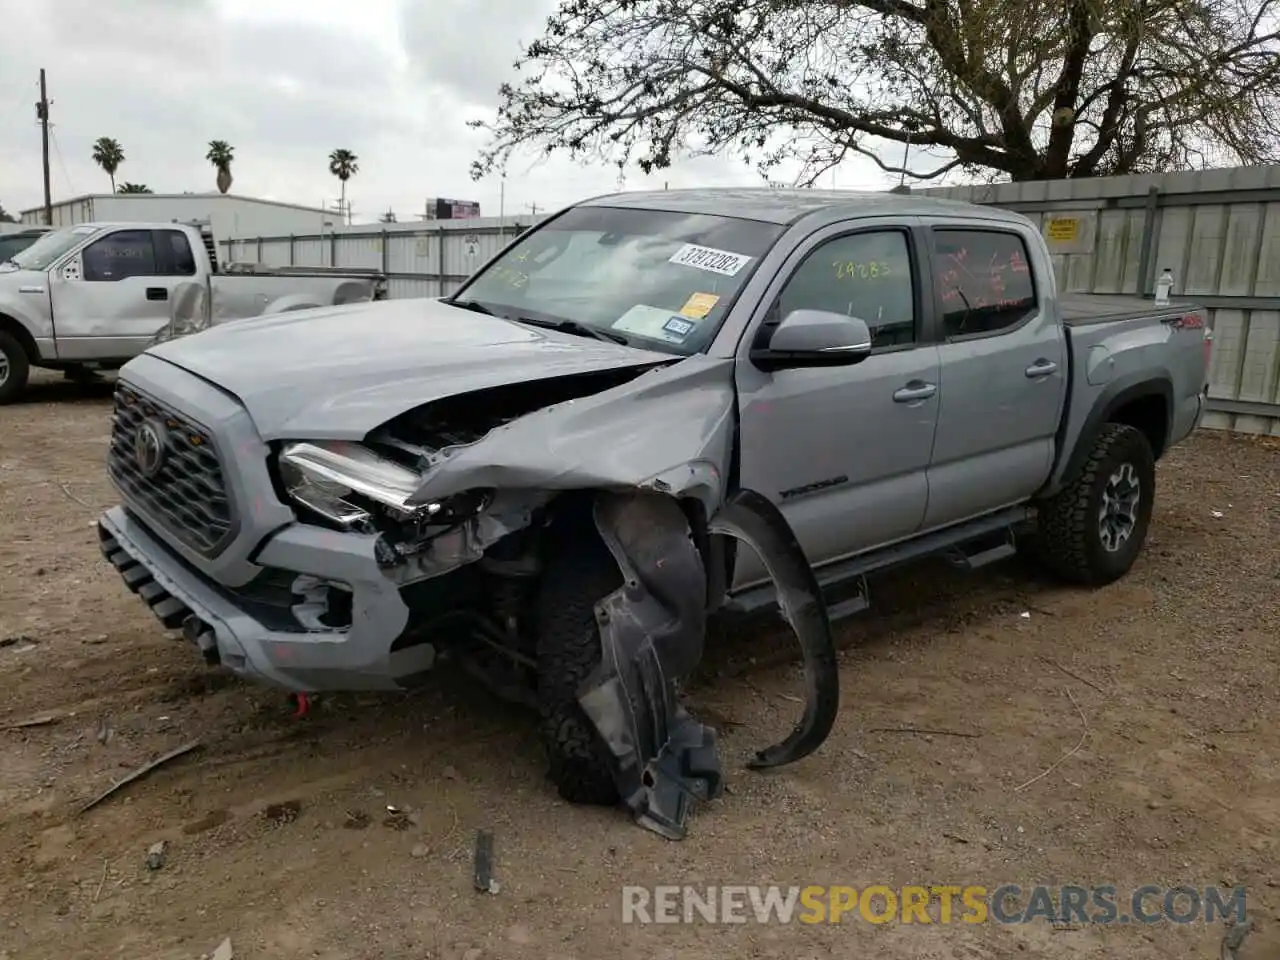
x: 1115, y: 395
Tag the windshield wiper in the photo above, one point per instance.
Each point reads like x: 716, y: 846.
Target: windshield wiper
x: 472, y: 305
x: 577, y: 329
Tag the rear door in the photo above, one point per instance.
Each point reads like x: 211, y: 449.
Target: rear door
x: 1003, y: 372
x: 844, y: 451
x: 110, y: 301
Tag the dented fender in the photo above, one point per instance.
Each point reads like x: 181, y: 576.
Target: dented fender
x: 669, y: 430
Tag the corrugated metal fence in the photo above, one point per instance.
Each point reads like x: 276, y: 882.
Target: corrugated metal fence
x: 1217, y: 230
x: 426, y: 259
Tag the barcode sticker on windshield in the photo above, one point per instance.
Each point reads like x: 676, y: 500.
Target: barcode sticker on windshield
x: 708, y: 258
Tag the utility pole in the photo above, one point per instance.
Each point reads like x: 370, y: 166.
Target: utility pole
x: 42, y: 114
x: 533, y: 209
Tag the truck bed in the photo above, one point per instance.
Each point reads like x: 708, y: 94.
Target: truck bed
x: 1084, y: 309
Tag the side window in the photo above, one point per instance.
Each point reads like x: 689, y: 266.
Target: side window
x: 120, y: 255
x: 173, y: 254
x: 864, y: 275
x: 983, y: 280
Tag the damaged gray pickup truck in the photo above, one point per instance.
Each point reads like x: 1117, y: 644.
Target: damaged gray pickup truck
x: 650, y: 408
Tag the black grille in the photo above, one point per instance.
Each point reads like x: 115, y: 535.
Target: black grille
x: 186, y: 494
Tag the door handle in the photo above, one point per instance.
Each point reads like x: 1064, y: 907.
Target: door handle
x: 915, y: 390
x: 1041, y: 368
x: 31, y: 289
x: 157, y: 293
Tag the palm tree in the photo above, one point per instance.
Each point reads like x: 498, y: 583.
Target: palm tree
x: 220, y: 155
x: 128, y: 187
x: 344, y: 165
x: 108, y: 154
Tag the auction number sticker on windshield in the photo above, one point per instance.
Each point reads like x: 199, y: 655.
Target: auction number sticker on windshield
x: 710, y: 259
x: 655, y: 323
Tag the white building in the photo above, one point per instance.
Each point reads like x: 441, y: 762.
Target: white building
x: 227, y: 215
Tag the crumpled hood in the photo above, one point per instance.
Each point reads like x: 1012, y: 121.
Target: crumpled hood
x: 339, y: 372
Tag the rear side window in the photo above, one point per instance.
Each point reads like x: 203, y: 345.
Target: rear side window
x: 173, y: 254
x: 983, y: 281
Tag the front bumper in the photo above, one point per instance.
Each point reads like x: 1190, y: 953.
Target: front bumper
x: 357, y: 657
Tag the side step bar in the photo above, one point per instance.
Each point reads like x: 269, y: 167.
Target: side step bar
x: 950, y: 541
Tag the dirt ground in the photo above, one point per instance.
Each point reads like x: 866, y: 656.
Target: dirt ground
x: 278, y: 834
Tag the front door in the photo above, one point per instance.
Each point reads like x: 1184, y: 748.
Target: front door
x: 844, y: 451
x: 113, y: 298
x: 1004, y: 370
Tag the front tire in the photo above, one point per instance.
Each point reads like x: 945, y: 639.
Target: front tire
x: 15, y: 367
x: 1093, y: 530
x: 569, y: 650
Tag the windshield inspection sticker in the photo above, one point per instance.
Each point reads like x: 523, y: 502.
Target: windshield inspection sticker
x: 708, y: 258
x: 655, y: 323
x: 699, y: 305
x: 678, y: 328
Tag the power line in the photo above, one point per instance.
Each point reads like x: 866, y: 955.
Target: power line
x: 53, y: 136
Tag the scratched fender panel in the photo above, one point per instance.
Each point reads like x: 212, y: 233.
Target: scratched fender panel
x: 183, y: 491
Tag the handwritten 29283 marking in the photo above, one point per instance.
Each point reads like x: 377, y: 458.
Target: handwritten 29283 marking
x: 872, y: 270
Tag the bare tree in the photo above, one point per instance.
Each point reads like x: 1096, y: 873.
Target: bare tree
x: 1018, y: 89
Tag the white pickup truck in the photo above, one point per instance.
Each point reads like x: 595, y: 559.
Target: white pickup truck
x: 91, y: 297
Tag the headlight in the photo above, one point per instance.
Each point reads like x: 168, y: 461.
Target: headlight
x: 331, y: 478
x: 337, y: 470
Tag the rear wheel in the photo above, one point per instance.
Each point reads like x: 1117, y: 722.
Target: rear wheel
x: 14, y: 367
x: 1093, y: 530
x: 577, y: 577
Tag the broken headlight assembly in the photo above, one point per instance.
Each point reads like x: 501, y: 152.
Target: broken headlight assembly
x: 352, y: 487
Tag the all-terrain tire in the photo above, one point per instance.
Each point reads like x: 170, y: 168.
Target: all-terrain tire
x: 578, y: 576
x: 15, y: 365
x: 1069, y: 539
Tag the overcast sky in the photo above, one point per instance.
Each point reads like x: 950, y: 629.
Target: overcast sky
x: 285, y: 82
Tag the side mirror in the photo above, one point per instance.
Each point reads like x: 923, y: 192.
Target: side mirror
x: 815, y: 338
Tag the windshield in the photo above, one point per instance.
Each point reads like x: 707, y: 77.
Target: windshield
x: 13, y: 242
x: 41, y: 254
x: 662, y: 280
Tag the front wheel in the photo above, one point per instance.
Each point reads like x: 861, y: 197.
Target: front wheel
x: 1093, y: 530
x: 569, y: 650
x: 14, y: 367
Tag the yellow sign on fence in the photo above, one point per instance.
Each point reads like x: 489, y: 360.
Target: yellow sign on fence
x: 1062, y: 229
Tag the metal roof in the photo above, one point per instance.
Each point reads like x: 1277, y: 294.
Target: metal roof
x: 787, y: 206
x: 206, y: 195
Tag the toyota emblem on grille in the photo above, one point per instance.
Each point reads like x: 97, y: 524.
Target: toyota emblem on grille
x: 149, y: 448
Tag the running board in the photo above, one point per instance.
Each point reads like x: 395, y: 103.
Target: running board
x: 855, y: 569
x: 985, y: 557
